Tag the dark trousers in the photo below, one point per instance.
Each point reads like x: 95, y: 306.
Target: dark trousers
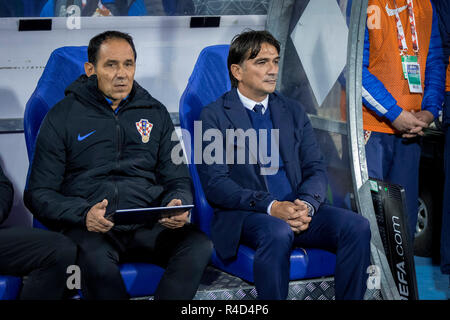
x: 40, y: 255
x: 334, y: 229
x: 445, y: 233
x: 396, y: 160
x: 183, y: 252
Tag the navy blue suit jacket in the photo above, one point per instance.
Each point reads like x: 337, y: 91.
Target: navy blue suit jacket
x: 238, y: 190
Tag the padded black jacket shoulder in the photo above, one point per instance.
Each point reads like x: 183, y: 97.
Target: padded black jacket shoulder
x: 85, y: 153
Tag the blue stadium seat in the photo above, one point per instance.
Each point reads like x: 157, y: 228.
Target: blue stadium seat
x: 32, y: 8
x: 208, y: 81
x: 9, y: 287
x: 64, y: 66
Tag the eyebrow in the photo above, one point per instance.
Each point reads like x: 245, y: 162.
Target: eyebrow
x: 263, y: 59
x: 117, y: 61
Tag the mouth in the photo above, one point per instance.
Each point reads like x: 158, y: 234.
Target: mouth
x: 120, y: 86
x: 272, y: 81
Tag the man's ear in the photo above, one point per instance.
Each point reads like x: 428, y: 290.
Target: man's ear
x: 236, y: 71
x: 89, y: 69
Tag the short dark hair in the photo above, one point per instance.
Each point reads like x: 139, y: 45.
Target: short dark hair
x: 97, y: 41
x: 249, y: 40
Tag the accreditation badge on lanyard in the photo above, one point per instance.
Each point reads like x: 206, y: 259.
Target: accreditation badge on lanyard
x: 410, y: 64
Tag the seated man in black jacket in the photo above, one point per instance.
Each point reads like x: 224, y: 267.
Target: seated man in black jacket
x: 43, y: 256
x: 107, y: 146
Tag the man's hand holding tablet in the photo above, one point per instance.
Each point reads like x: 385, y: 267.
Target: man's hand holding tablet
x: 175, y: 221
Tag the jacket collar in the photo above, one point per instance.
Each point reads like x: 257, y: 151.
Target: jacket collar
x: 86, y: 89
x: 235, y: 111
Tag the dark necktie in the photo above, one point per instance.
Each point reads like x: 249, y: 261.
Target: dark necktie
x: 258, y: 108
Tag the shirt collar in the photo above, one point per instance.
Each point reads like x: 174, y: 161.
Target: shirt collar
x: 110, y: 102
x: 249, y: 103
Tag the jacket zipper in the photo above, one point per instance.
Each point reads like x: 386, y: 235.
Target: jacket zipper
x: 118, y: 151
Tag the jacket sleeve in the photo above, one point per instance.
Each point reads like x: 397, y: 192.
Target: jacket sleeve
x: 434, y: 73
x: 6, y: 196
x: 375, y: 96
x: 442, y: 9
x: 314, y: 184
x: 42, y: 194
x: 173, y: 177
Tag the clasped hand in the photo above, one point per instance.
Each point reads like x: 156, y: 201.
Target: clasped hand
x: 411, y: 124
x: 293, y: 213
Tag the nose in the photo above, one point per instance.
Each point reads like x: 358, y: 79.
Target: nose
x: 121, y: 72
x: 273, y: 68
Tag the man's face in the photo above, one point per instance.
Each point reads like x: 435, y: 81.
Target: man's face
x: 115, y: 69
x: 258, y: 77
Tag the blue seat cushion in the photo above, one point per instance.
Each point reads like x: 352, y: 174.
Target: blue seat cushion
x: 63, y: 67
x: 10, y: 287
x: 305, y: 263
x: 141, y: 279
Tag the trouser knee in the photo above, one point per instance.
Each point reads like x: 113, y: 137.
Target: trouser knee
x: 358, y: 230
x: 197, y: 250
x: 63, y: 253
x: 279, y: 238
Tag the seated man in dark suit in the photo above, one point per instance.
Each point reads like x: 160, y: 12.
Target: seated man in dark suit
x: 43, y: 256
x: 274, y: 206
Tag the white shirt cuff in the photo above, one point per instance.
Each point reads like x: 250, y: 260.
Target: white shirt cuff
x: 270, y: 207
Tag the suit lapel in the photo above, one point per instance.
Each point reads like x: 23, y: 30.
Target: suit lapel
x: 236, y: 112
x: 282, y: 120
x: 238, y: 116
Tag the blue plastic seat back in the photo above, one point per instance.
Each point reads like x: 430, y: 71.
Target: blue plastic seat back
x: 208, y: 81
x: 63, y: 67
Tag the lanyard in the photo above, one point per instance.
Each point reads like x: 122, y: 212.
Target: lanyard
x: 401, y: 33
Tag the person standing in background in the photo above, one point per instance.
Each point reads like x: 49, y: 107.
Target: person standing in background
x: 403, y: 91
x: 443, y: 12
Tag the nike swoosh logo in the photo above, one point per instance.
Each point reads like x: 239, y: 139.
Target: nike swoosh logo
x: 391, y: 12
x: 81, y: 138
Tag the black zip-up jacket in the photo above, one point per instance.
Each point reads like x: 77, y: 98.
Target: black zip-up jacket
x: 6, y: 196
x: 85, y: 152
